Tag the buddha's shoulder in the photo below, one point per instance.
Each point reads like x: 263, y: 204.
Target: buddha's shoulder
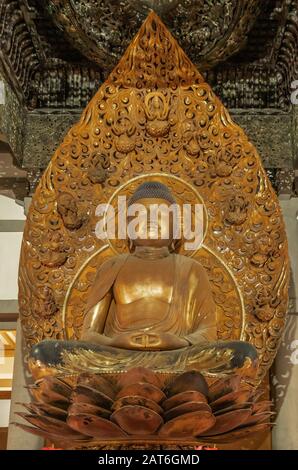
x: 190, y: 263
x: 113, y: 262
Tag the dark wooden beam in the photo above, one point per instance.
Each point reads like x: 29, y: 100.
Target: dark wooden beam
x: 3, y: 438
x: 8, y: 317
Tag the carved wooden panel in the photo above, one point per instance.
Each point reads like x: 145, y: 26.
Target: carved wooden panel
x: 210, y: 31
x: 155, y: 114
x: 43, y: 63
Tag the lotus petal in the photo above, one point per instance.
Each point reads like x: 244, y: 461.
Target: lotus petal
x: 258, y: 418
x: 137, y: 400
x: 67, y: 412
x: 145, y: 390
x: 188, y: 407
x: 262, y: 406
x: 97, y: 382
x: 191, y: 380
x: 188, y: 425
x: 238, y: 406
x: 137, y: 420
x: 228, y: 421
x: 85, y: 394
x: 232, y: 398
x: 62, y: 440
x: 139, y: 374
x: 223, y: 387
x: 42, y: 409
x: 54, y: 384
x: 246, y: 431
x: 51, y: 425
x: 191, y: 395
x: 257, y: 395
x: 48, y: 396
x: 89, y: 409
x: 95, y: 426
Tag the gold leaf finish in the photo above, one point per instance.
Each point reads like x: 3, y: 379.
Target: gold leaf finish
x: 155, y: 117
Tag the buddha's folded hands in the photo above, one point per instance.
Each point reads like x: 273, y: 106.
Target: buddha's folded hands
x: 151, y: 341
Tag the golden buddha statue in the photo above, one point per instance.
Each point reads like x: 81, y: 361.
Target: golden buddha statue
x: 150, y: 307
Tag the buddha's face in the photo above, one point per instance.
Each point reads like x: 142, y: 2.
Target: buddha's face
x: 151, y: 226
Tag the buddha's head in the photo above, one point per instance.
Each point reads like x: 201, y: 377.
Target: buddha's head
x: 151, y: 211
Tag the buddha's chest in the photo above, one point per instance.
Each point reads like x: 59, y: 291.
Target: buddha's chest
x: 145, y: 279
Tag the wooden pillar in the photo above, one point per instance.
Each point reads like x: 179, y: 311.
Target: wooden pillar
x: 17, y: 438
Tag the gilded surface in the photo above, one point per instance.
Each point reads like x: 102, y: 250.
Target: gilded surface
x: 230, y: 314
x: 156, y: 115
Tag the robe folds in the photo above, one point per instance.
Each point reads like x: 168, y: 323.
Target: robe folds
x: 192, y: 311
x: 191, y: 314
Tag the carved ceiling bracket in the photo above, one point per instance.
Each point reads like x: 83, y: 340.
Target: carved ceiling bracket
x: 250, y: 45
x: 209, y: 32
x: 19, y: 58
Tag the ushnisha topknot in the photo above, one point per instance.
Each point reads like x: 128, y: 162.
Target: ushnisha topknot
x: 153, y: 190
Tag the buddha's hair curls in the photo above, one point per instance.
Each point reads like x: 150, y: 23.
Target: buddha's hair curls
x: 152, y: 190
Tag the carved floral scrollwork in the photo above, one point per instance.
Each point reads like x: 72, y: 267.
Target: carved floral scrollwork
x: 44, y: 302
x: 236, y: 211
x: 53, y: 252
x: 68, y: 209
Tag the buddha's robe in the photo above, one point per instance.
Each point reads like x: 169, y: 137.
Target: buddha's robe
x: 191, y: 313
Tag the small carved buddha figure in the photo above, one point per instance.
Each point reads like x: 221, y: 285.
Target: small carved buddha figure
x: 151, y: 307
